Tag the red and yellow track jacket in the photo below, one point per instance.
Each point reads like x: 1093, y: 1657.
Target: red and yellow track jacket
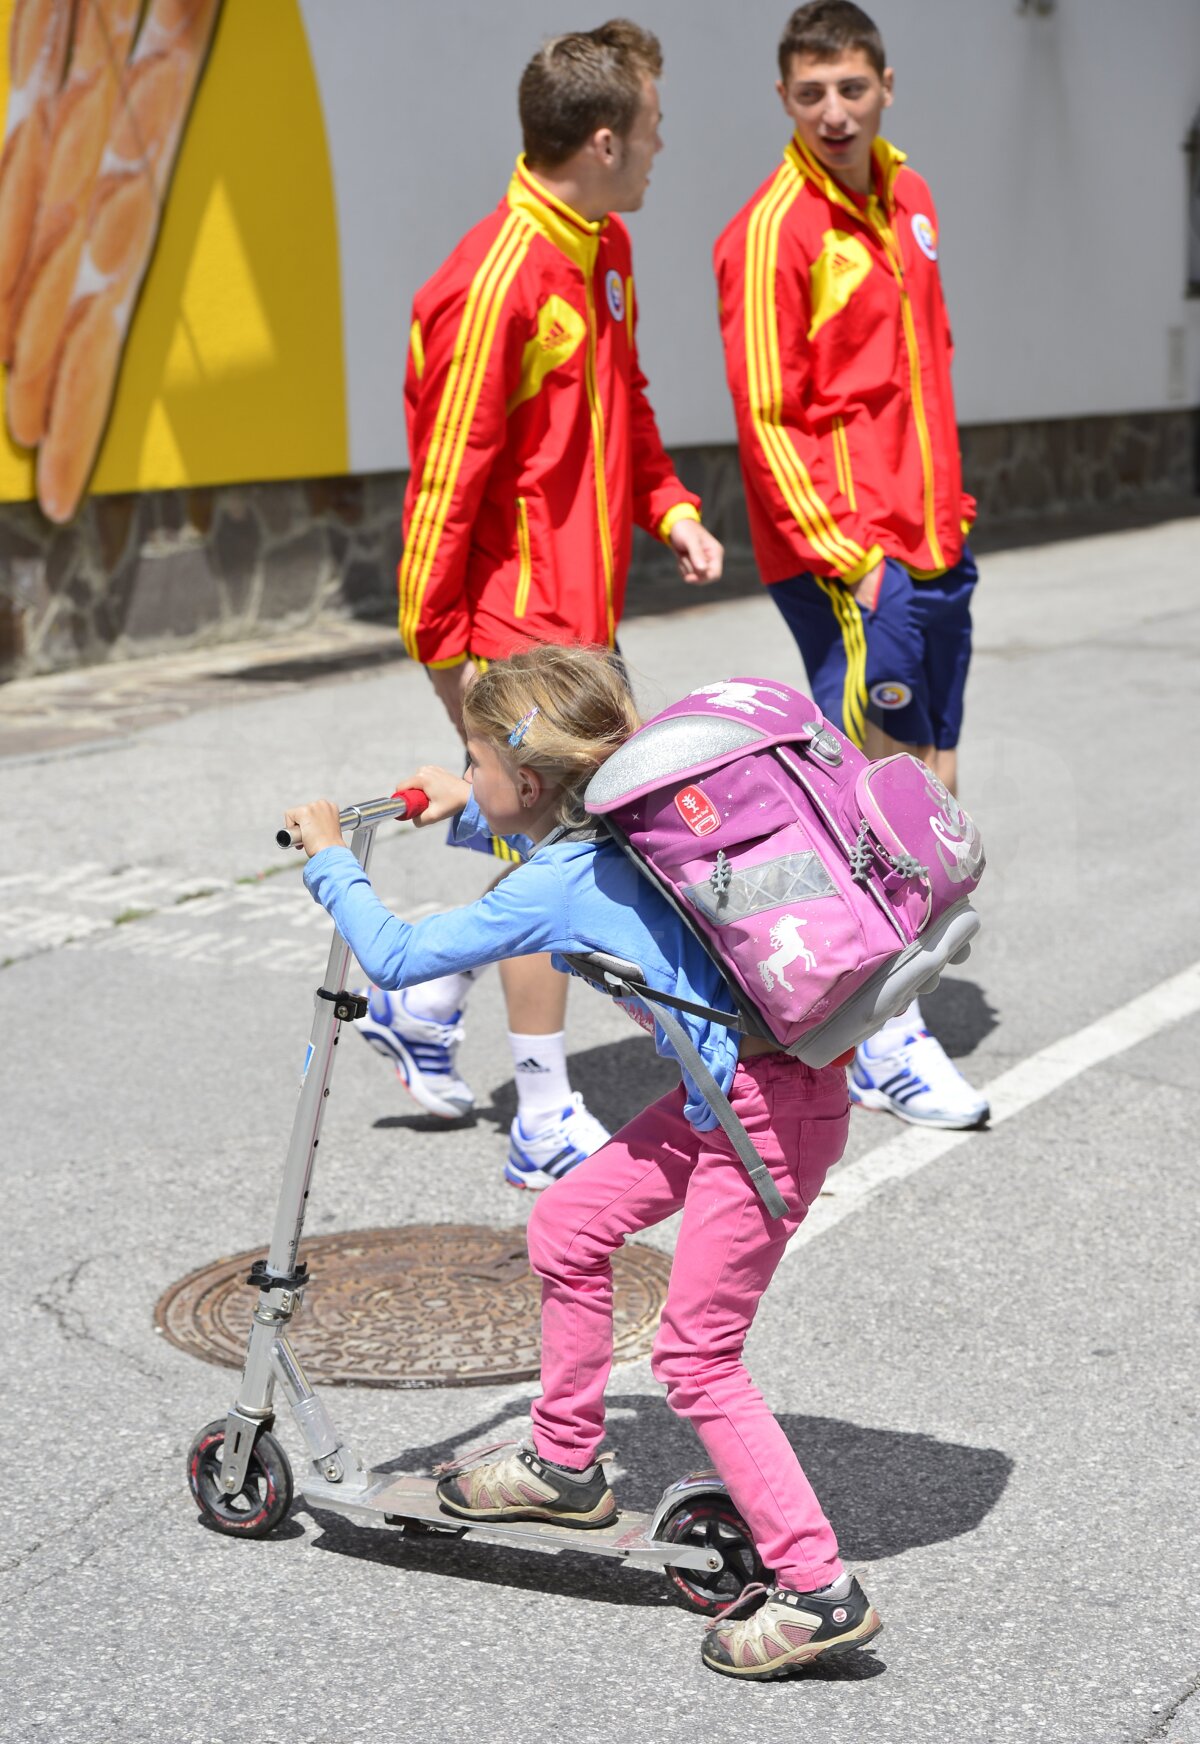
x: 532, y: 442
x: 837, y: 350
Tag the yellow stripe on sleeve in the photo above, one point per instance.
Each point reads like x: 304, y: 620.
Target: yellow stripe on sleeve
x: 440, y: 474
x: 426, y: 503
x: 765, y: 378
x: 460, y: 397
x: 778, y: 199
x: 837, y: 541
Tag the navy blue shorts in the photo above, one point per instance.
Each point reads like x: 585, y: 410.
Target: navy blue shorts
x: 902, y: 665
x: 496, y: 846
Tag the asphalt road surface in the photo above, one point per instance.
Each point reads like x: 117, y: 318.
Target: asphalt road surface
x: 983, y: 1345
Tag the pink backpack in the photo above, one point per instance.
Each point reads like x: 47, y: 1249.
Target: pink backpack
x: 828, y: 890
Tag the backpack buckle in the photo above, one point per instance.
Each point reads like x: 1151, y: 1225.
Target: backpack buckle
x: 823, y: 744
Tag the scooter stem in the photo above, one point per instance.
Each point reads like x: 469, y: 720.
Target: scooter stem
x: 314, y: 1091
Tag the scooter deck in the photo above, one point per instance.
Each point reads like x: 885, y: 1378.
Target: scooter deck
x: 398, y: 1500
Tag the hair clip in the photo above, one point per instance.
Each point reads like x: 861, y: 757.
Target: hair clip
x: 522, y: 727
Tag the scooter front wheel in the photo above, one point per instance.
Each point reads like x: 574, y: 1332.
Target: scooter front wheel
x: 712, y: 1521
x: 265, y: 1496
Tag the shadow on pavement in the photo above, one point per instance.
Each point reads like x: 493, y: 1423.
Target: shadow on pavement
x: 959, y: 1015
x: 885, y: 1491
x: 617, y: 1080
x: 425, y: 1122
x: 568, y: 1575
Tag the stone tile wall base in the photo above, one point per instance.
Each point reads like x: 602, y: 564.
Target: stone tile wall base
x: 161, y: 571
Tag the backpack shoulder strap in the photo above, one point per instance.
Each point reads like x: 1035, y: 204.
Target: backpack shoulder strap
x: 615, y: 976
x: 619, y: 978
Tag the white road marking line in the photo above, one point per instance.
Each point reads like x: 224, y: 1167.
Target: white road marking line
x: 285, y: 935
x: 82, y: 905
x: 1013, y: 1091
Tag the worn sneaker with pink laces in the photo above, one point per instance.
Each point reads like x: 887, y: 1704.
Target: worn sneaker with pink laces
x: 522, y: 1486
x: 788, y: 1629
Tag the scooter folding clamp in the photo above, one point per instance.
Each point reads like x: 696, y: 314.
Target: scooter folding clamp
x: 349, y: 1007
x: 260, y: 1278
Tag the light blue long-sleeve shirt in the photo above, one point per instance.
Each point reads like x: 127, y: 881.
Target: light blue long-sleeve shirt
x: 571, y: 896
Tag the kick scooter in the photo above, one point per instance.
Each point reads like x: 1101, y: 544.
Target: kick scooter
x: 239, y: 1474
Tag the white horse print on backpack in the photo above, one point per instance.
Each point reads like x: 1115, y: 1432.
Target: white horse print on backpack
x: 736, y: 693
x: 789, y: 947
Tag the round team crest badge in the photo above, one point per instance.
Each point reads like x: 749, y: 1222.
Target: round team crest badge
x: 925, y: 234
x: 890, y: 695
x: 614, y: 290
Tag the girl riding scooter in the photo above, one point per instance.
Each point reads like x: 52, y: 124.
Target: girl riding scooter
x: 538, y: 726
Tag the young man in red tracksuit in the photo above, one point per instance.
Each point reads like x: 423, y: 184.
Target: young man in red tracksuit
x: 837, y: 350
x: 534, y: 451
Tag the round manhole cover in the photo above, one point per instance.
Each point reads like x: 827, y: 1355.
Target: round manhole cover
x: 432, y: 1305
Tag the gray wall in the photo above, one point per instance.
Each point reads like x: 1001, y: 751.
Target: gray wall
x: 1052, y: 144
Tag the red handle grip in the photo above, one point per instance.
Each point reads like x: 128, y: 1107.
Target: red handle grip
x: 415, y: 801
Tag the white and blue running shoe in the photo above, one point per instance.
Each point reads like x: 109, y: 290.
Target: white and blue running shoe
x: 540, y: 1158
x: 422, y: 1050
x: 910, y: 1076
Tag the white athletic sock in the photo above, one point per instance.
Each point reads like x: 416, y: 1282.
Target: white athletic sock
x: 540, y: 1069
x: 441, y: 999
x: 890, y: 1034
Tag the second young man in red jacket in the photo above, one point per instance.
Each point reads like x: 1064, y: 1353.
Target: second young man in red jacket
x: 837, y: 350
x: 534, y: 451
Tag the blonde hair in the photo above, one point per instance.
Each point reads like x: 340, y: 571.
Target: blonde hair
x: 584, y: 712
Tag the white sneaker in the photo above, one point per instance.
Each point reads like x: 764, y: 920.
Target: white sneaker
x: 540, y: 1158
x: 422, y: 1050
x: 915, y: 1081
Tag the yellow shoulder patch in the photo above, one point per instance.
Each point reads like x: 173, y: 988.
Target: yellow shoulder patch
x: 836, y: 274
x: 560, y: 328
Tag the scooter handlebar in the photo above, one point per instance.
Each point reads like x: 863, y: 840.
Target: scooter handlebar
x: 412, y: 802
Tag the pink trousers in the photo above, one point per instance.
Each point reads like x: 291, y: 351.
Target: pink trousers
x: 726, y: 1255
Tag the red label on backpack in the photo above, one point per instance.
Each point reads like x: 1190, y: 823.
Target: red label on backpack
x: 697, y: 811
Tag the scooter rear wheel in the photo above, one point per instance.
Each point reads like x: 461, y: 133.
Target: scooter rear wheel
x: 712, y: 1521
x: 264, y: 1497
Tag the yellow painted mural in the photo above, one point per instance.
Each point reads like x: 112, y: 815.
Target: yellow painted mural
x: 170, y: 306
